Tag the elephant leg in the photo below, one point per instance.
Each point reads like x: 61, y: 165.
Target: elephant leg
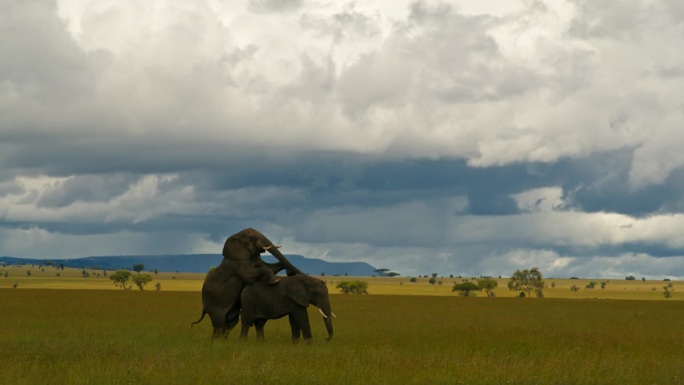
x: 259, y: 326
x: 232, y: 317
x: 265, y: 272
x: 245, y: 329
x: 218, y: 322
x: 296, y: 329
x: 274, y: 267
x: 218, y: 332
x: 302, y: 318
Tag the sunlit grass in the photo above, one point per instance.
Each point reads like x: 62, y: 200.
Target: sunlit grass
x: 122, y: 337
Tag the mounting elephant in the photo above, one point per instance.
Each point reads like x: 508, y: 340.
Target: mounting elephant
x: 241, y: 265
x: 292, y: 296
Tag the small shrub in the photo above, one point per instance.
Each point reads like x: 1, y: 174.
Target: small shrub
x: 353, y: 287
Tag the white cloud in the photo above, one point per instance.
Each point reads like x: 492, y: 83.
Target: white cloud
x: 540, y: 199
x: 527, y: 82
x: 164, y: 88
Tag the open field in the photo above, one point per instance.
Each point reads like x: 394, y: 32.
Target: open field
x: 46, y: 278
x: 133, y: 337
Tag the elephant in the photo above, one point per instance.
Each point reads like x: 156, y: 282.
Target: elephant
x: 261, y: 302
x: 241, y: 265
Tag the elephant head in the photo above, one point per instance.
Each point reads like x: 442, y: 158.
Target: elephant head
x: 305, y: 290
x: 249, y: 243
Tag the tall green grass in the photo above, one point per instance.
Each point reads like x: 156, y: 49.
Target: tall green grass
x: 116, y: 337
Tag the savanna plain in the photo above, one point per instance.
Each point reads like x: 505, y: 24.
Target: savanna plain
x: 76, y: 330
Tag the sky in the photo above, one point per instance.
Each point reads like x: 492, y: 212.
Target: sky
x: 470, y: 137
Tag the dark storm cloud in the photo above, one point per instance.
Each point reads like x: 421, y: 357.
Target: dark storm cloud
x: 600, y: 183
x: 86, y: 188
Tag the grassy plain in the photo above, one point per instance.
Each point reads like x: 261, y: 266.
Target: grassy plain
x: 135, y: 337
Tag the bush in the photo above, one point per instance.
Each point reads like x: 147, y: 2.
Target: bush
x: 353, y: 287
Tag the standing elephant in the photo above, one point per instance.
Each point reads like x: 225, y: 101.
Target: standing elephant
x: 261, y: 302
x: 241, y: 265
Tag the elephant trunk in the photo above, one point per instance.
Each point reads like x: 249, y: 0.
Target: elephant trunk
x: 327, y: 318
x: 290, y: 268
x: 329, y: 327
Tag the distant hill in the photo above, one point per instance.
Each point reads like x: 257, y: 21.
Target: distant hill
x: 196, y: 263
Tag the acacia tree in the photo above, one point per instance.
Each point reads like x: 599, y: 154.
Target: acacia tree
x: 465, y: 289
x: 527, y: 281
x: 488, y: 285
x: 138, y: 267
x: 141, y: 280
x: 121, y: 278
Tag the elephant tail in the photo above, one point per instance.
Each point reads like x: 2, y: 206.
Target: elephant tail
x: 204, y: 312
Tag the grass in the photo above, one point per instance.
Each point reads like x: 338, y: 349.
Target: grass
x: 128, y: 337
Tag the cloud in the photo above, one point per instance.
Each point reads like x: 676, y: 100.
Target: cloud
x: 417, y: 135
x: 267, y: 6
x: 435, y: 82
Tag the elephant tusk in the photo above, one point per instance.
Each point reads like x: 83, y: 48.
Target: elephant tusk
x: 269, y: 247
x: 323, y: 314
x: 333, y: 314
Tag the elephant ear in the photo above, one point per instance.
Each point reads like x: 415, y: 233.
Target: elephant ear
x: 296, y: 291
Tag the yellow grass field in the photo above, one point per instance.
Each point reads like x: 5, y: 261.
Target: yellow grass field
x: 401, y: 333
x: 108, y: 337
x: 46, y: 278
